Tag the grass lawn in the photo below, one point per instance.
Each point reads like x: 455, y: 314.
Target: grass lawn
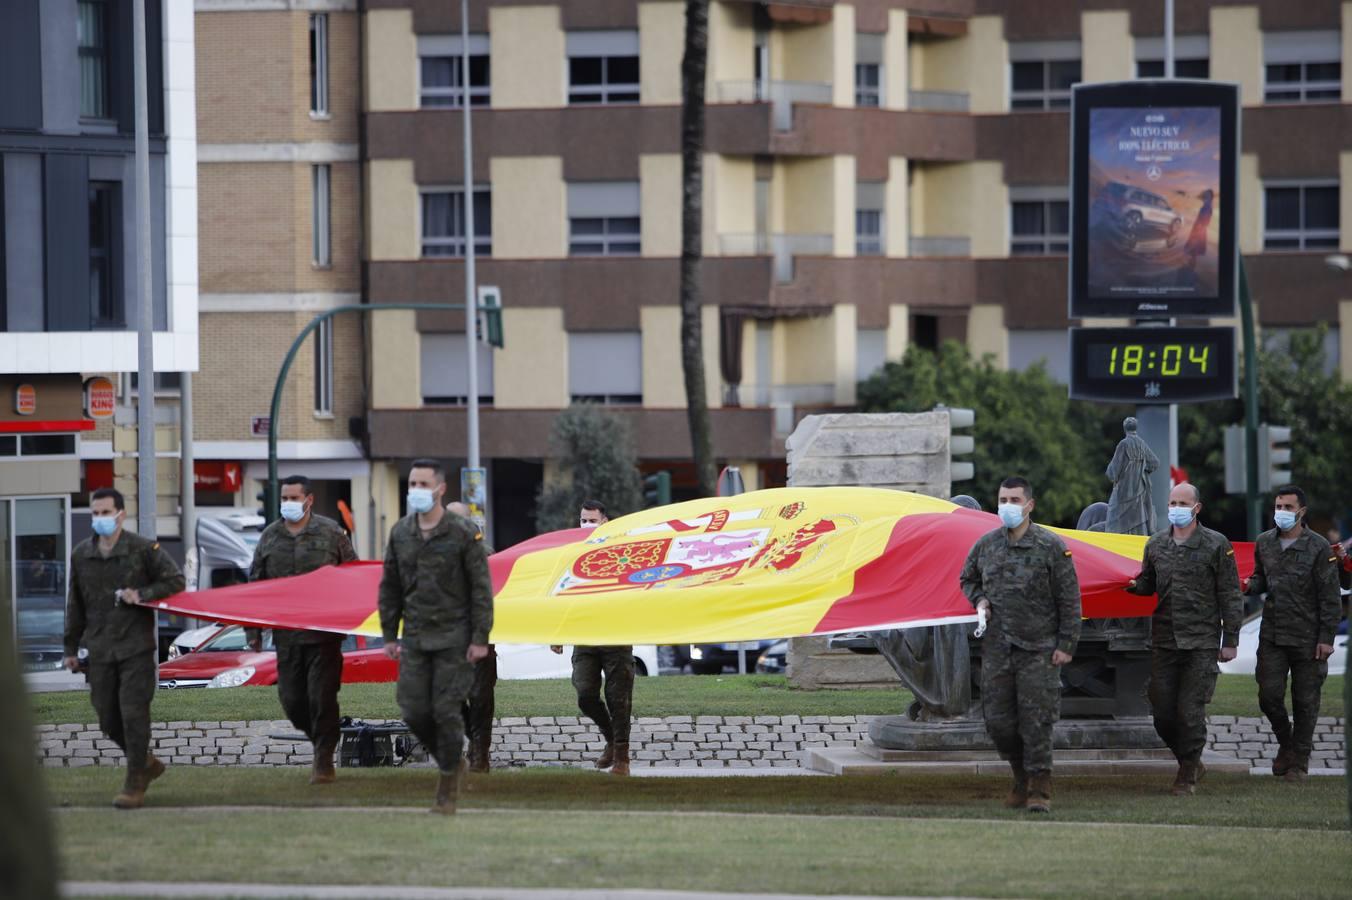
x: 724, y: 695
x: 942, y: 835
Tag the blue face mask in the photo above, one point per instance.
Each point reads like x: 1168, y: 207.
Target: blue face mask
x: 1180, y: 516
x: 1285, y: 519
x: 1011, y: 514
x: 420, y: 500
x: 293, y: 510
x: 104, y: 526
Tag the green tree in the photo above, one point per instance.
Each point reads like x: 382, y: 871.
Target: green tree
x: 596, y: 453
x: 1025, y: 425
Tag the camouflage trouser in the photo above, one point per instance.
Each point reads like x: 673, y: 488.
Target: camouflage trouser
x: 1307, y: 681
x: 1181, y: 685
x: 309, y: 676
x: 478, y: 709
x: 121, y: 692
x: 612, y: 716
x: 1021, y: 701
x: 432, y: 688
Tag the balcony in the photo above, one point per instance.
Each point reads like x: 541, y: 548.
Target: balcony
x: 939, y: 101
x: 782, y: 247
x: 781, y: 95
x: 941, y: 246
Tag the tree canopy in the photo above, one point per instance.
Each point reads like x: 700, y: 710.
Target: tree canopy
x: 598, y: 462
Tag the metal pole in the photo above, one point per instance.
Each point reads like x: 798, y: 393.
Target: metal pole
x: 145, y: 325
x: 1168, y: 38
x: 471, y: 301
x: 1253, y: 513
x: 188, y: 486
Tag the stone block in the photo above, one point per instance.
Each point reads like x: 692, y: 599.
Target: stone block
x: 79, y: 762
x: 511, y: 720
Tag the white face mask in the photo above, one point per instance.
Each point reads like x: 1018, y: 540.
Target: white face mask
x: 420, y: 500
x: 293, y: 510
x: 1285, y: 519
x: 1011, y: 514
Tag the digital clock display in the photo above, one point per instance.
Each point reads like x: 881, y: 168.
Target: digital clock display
x: 1152, y: 365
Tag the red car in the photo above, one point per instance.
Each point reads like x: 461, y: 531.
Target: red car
x: 226, y: 661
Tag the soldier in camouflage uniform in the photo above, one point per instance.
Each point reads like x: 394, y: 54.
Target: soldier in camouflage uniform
x: 1298, y: 571
x: 113, y: 577
x: 309, y: 663
x: 1022, y: 575
x: 478, y: 709
x: 1192, y: 568
x: 436, y: 584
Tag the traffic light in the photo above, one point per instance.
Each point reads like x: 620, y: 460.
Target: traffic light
x: 657, y: 489
x: 490, y: 316
x: 960, y: 444
x: 1274, y: 456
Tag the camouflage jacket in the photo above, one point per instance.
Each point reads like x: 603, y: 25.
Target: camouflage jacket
x: 1303, y: 606
x: 281, y: 554
x: 438, y: 588
x: 1198, y: 586
x: 111, y: 630
x: 1031, y: 585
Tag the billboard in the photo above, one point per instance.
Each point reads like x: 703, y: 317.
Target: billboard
x: 1153, y: 205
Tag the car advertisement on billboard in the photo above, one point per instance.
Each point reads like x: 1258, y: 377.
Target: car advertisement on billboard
x: 1153, y: 231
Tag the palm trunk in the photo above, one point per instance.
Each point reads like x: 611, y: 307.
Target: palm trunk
x: 693, y: 66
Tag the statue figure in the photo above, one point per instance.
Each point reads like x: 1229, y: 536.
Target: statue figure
x: 1131, y: 508
x: 1094, y: 517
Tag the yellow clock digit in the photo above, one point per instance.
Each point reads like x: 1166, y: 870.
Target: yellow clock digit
x: 1199, y: 360
x: 1172, y: 368
x: 1131, y: 359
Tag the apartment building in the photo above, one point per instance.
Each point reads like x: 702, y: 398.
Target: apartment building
x: 877, y: 174
x: 69, y: 251
x: 280, y: 217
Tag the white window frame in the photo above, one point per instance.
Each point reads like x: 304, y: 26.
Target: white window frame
x: 319, y: 67
x: 603, y: 45
x: 483, y: 238
x: 19, y: 454
x: 868, y: 96
x: 452, y: 47
x: 606, y: 202
x: 484, y: 358
x: 1044, y: 53
x: 1043, y: 243
x: 324, y: 369
x: 1304, y: 49
x: 633, y: 340
x: 321, y: 244
x: 1302, y: 235
x: 870, y: 197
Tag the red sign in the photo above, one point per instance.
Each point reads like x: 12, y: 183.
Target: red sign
x: 217, y: 475
x: 25, y: 400
x: 100, y: 398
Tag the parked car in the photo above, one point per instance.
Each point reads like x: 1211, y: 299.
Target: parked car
x: 1139, y: 213
x: 190, y: 640
x: 710, y: 659
x: 774, y: 660
x: 41, y: 625
x: 226, y: 661
x: 1246, y: 659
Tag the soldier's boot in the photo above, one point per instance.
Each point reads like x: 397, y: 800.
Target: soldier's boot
x: 448, y: 791
x: 1184, y: 783
x: 621, y: 766
x: 322, y: 770
x: 133, y: 793
x: 1040, y: 792
x: 154, y: 768
x: 1300, y: 767
x: 607, y: 757
x: 1018, y: 794
x: 1198, y: 772
x: 479, y: 756
x: 1282, y: 764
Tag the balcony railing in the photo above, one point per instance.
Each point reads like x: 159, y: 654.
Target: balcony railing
x: 941, y: 246
x: 940, y: 101
x: 781, y: 95
x: 782, y: 247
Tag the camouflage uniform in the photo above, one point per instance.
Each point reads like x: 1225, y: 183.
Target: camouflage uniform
x: 1302, y: 609
x: 1198, y: 587
x: 309, y: 663
x: 1035, y: 609
x: 123, y: 652
x: 617, y: 664
x: 478, y: 711
x: 439, y: 588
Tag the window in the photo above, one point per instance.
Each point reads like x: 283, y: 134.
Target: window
x: 92, y: 35
x: 1041, y: 74
x: 869, y: 198
x: 442, y: 71
x: 105, y: 295
x: 443, y: 223
x: 870, y: 351
x: 445, y: 369
x: 37, y: 445
x: 324, y: 368
x: 868, y: 70
x: 1192, y: 56
x: 1183, y: 68
x: 603, y: 67
x: 167, y: 384
x: 1302, y: 66
x: 604, y: 218
x: 1039, y: 221
x: 319, y: 226
x: 605, y: 367
x: 1300, y: 216
x: 319, y: 64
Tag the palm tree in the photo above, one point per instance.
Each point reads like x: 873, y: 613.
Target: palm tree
x: 693, y: 66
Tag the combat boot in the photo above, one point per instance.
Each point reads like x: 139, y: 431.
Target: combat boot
x: 133, y: 793
x: 322, y: 771
x: 621, y: 766
x: 448, y: 791
x: 1300, y: 767
x: 1184, y: 784
x: 1282, y: 764
x: 1040, y: 792
x: 607, y: 757
x: 1018, y: 794
x: 154, y: 768
x: 479, y: 756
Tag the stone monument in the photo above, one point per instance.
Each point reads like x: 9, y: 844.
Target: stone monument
x: 1131, y: 508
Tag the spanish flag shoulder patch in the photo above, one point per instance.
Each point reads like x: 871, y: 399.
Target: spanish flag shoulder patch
x: 1067, y: 553
x: 1230, y: 552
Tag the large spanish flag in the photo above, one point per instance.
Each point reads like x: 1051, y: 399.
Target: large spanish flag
x: 776, y: 563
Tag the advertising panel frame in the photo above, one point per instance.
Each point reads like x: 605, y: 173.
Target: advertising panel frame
x: 1151, y: 366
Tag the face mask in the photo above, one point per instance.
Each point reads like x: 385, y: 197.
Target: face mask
x: 104, y: 526
x: 293, y: 510
x: 1285, y: 519
x: 420, y: 500
x: 1180, y: 516
x: 1011, y: 514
